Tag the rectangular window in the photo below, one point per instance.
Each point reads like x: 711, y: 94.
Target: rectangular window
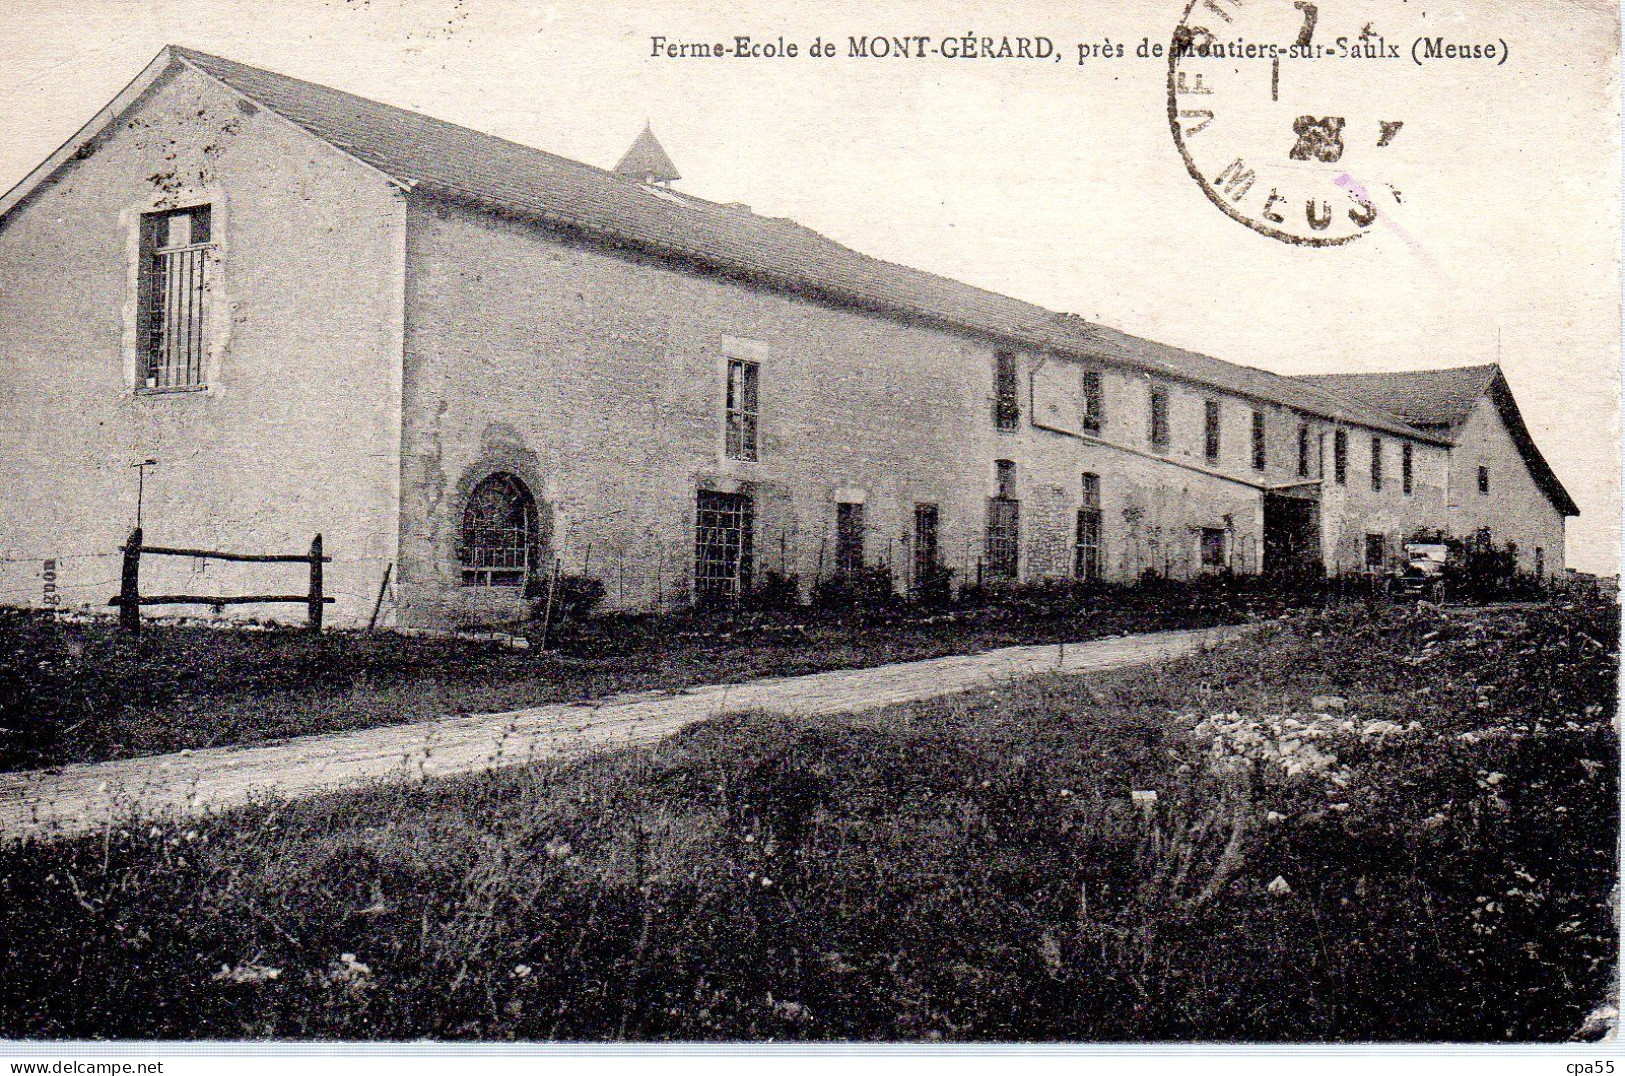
x: 1212, y: 547
x: 1094, y: 402
x: 848, y: 538
x: 743, y: 392
x: 927, y: 563
x: 1091, y: 490
x: 1006, y: 391
x: 1210, y: 430
x: 1376, y: 552
x: 1003, y: 525
x: 723, y: 546
x: 1088, y: 542
x: 1340, y: 457
x: 172, y: 286
x: 1003, y: 539
x: 1004, y: 472
x: 1259, y: 459
x: 1376, y: 463
x: 1405, y: 467
x: 1303, y: 450
x: 1159, y: 418
x: 1483, y: 479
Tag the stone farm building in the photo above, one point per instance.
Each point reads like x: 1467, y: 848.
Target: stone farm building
x: 460, y: 359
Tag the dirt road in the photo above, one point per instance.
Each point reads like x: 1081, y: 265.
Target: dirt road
x: 80, y: 798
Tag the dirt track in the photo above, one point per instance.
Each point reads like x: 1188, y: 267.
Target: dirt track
x: 79, y: 798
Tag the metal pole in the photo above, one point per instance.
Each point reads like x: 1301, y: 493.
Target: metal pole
x: 141, y: 485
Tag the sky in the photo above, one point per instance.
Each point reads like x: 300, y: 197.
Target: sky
x: 1057, y: 182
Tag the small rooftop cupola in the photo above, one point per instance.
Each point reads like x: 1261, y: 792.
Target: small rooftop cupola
x: 646, y: 161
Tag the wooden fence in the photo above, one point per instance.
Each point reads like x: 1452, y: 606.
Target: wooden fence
x: 130, y: 599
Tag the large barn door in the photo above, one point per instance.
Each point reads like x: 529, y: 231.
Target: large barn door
x: 1291, y: 534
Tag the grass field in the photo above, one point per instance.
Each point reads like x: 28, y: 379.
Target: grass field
x: 1431, y: 860
x: 73, y: 692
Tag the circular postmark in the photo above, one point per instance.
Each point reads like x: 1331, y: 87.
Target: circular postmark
x: 1281, y: 127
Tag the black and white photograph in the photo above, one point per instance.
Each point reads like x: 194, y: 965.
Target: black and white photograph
x: 900, y: 527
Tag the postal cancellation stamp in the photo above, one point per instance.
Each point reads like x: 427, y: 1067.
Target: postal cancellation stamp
x: 1277, y: 115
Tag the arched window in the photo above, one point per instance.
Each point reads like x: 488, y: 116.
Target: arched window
x: 498, y: 547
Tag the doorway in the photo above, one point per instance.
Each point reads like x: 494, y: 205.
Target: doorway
x: 1291, y: 535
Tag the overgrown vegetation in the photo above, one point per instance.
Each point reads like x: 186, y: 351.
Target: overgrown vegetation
x: 1371, y: 822
x: 75, y: 691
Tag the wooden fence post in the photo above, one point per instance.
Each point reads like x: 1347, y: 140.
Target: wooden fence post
x: 129, y: 591
x: 315, y: 606
x: 547, y: 610
x: 383, y: 587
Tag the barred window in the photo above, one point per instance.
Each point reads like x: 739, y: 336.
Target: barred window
x: 1376, y: 464
x: 1006, y: 391
x: 1094, y: 402
x: 1376, y: 552
x: 1003, y: 538
x: 1003, y: 525
x: 1210, y: 430
x: 926, y: 531
x: 1004, y: 474
x: 498, y: 546
x: 1259, y: 457
x: 848, y: 538
x: 1159, y: 418
x: 743, y: 392
x: 724, y: 541
x: 1340, y: 457
x: 172, y: 284
x: 1088, y: 539
x: 1405, y: 466
x: 1213, y: 547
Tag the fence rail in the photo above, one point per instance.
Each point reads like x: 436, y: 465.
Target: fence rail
x: 129, y: 599
x: 275, y: 558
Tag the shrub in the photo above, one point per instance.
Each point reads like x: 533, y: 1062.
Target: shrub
x: 774, y: 592
x: 934, y: 586
x: 574, y: 599
x: 870, y: 587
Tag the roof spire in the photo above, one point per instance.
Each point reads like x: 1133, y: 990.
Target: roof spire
x: 646, y: 161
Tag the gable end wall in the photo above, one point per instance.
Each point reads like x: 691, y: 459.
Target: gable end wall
x: 297, y: 431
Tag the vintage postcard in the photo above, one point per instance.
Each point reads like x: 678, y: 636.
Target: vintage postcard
x: 1086, y: 522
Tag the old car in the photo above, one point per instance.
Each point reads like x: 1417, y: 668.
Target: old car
x: 1421, y: 573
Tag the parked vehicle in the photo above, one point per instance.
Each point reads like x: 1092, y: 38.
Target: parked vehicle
x: 1421, y: 574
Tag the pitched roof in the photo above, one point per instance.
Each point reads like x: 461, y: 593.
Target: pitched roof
x: 647, y: 160
x: 1442, y: 400
x: 1431, y: 398
x: 495, y: 175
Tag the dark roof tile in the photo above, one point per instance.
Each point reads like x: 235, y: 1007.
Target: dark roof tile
x: 1442, y: 400
x: 1421, y: 397
x: 455, y: 162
